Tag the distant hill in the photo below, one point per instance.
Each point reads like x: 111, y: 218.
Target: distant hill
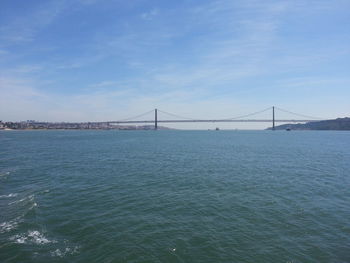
x: 336, y: 124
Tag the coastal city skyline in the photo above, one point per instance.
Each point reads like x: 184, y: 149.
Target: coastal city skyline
x: 80, y: 61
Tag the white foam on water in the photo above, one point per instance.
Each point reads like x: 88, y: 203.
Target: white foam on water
x: 67, y: 251
x: 8, y: 226
x: 57, y: 253
x: 33, y: 237
x: 38, y: 238
x: 8, y: 196
x: 19, y: 239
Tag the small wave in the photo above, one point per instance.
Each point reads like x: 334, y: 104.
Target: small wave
x: 8, y: 226
x: 67, y: 251
x: 8, y: 196
x: 29, y: 198
x: 31, y: 207
x: 34, y: 237
x: 4, y: 174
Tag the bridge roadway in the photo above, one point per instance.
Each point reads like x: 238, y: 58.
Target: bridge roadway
x: 222, y: 120
x: 155, y: 121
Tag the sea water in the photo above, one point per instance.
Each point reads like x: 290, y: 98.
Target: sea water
x: 174, y: 196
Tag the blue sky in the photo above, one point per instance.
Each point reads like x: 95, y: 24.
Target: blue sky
x: 96, y: 60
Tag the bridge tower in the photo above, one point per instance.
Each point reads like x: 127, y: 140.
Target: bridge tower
x: 273, y: 118
x: 155, y: 120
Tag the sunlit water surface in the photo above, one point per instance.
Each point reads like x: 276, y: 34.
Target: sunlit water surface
x: 174, y: 196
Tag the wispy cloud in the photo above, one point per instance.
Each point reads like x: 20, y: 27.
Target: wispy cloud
x: 24, y: 28
x: 149, y: 15
x: 183, y: 58
x: 23, y: 69
x: 105, y: 83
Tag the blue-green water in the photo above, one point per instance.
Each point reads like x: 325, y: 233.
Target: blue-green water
x: 174, y: 196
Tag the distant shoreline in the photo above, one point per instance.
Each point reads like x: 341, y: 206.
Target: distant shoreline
x: 339, y: 124
x: 210, y: 130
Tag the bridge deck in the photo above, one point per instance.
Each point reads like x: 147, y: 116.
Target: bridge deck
x: 184, y: 121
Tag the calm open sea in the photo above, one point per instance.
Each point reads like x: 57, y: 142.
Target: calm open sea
x: 174, y: 196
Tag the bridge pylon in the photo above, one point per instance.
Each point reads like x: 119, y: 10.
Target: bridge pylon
x: 273, y: 118
x: 155, y: 120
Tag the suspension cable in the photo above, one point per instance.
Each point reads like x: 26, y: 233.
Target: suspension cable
x: 233, y: 118
x: 134, y: 117
x: 298, y: 114
x: 250, y: 114
x: 174, y: 115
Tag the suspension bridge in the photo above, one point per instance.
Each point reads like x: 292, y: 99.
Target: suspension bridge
x: 242, y: 118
